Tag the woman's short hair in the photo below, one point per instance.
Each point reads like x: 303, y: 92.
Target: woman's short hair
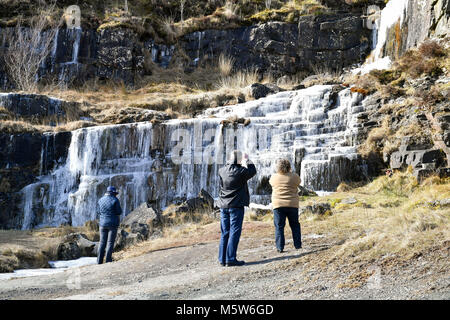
x: 283, y: 165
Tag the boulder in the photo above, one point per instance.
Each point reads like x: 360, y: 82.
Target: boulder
x: 302, y: 191
x: 260, y: 210
x: 137, y: 226
x: 126, y: 239
x: 203, y: 203
x: 143, y: 214
x: 349, y: 201
x: 141, y: 229
x: 317, y: 208
x: 258, y: 90
x: 444, y: 173
x: 86, y: 248
x: 131, y: 115
x: 68, y: 251
x: 431, y: 158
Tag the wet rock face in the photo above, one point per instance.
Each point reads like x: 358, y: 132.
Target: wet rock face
x: 279, y: 48
x: 34, y: 152
x: 423, y: 19
x: 284, y: 48
x: 116, y: 54
x: 23, y: 158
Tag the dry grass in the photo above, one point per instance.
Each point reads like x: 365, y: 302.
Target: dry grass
x: 395, y: 219
x: 170, y: 89
x: 375, y: 138
x: 239, y: 80
x: 34, y: 248
x: 289, y: 11
x: 226, y: 64
x: 22, y: 249
x: 322, y: 75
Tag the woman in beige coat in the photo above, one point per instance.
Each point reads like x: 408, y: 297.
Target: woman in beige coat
x: 285, y: 203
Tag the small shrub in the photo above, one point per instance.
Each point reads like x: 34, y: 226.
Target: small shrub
x: 432, y: 49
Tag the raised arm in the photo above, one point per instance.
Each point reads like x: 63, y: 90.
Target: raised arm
x: 250, y: 169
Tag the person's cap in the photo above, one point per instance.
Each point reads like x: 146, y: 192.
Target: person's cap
x: 111, y: 189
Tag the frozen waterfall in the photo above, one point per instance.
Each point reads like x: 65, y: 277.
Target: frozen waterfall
x: 162, y: 163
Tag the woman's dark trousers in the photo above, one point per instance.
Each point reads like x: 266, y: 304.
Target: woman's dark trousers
x: 279, y: 219
x: 107, y: 239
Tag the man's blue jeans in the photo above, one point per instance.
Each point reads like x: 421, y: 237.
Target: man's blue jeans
x: 279, y: 220
x: 231, y: 220
x: 107, y: 239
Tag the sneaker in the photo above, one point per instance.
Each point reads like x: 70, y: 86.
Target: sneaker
x: 236, y: 263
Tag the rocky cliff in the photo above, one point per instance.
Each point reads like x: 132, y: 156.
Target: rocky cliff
x: 332, y: 41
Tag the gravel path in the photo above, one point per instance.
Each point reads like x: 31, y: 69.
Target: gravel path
x: 192, y: 272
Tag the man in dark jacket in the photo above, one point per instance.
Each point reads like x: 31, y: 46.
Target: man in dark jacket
x: 109, y: 211
x: 233, y: 197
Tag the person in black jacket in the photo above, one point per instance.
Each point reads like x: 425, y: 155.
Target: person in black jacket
x: 233, y: 197
x: 109, y: 211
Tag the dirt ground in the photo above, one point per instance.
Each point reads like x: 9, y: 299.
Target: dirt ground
x: 191, y: 271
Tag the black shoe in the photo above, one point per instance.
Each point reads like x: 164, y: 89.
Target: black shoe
x: 280, y: 251
x: 298, y: 247
x: 223, y: 264
x: 236, y: 263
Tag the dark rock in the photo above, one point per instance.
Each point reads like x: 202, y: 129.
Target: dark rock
x: 298, y: 87
x: 68, y: 251
x: 444, y: 173
x: 86, y: 247
x: 143, y: 214
x: 140, y: 228
x: 203, y: 194
x: 432, y: 159
x: 116, y: 49
x: 422, y: 174
x: 35, y: 107
x: 131, y: 115
x: 282, y: 48
x: 203, y: 203
x: 24, y: 157
x: 317, y: 208
x: 276, y: 48
x: 121, y: 239
x: 302, y: 191
x: 260, y: 211
x: 258, y: 90
x: 125, y: 239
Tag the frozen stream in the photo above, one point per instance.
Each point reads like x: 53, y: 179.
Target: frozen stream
x: 56, y: 267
